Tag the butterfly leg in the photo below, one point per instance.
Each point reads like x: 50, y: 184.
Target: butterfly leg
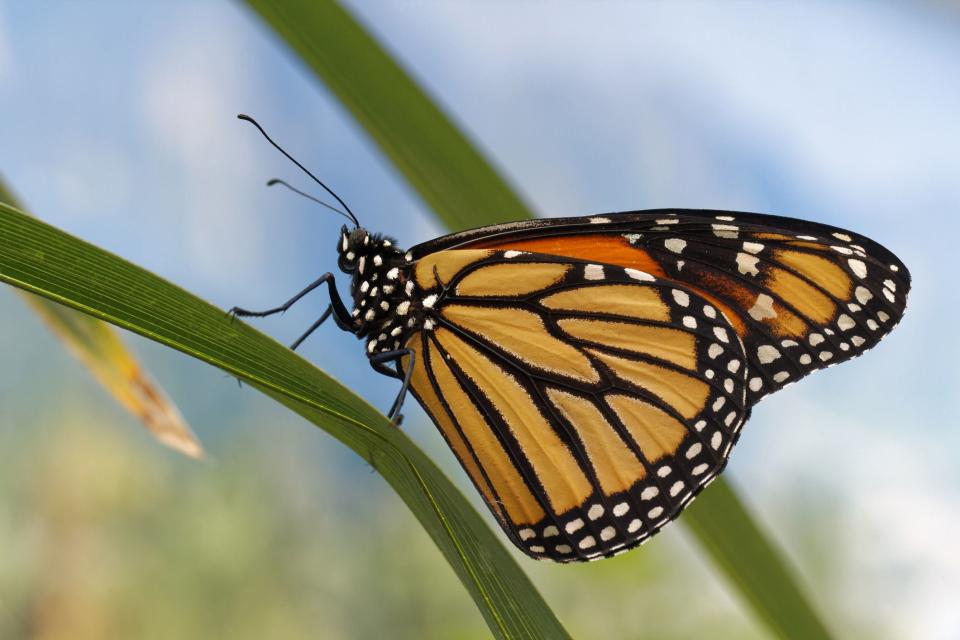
x: 313, y: 327
x: 340, y: 314
x: 379, y: 362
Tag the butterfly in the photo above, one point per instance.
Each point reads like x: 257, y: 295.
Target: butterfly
x: 593, y: 374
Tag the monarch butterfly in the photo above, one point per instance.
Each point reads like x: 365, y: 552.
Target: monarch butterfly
x: 593, y: 374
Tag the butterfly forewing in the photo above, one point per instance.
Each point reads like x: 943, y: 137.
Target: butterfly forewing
x: 588, y: 402
x: 800, y: 295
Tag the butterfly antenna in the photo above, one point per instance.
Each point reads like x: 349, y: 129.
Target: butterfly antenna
x: 349, y: 213
x: 274, y: 181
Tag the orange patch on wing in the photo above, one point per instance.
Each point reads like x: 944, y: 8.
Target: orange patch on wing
x: 593, y: 247
x: 803, y: 296
x: 617, y: 468
x: 511, y: 279
x: 664, y: 342
x: 787, y: 323
x: 422, y: 387
x: 552, y: 461
x: 655, y: 431
x: 611, y: 249
x: 521, y: 505
x: 446, y: 265
x: 633, y: 301
x: 821, y: 270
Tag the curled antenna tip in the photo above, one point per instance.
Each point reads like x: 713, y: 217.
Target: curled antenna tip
x: 273, y: 181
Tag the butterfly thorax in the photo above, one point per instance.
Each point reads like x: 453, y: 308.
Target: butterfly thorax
x: 385, y: 308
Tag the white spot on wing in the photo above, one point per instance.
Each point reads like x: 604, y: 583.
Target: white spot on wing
x: 845, y: 322
x: 593, y: 272
x: 858, y: 267
x: 636, y: 274
x: 512, y: 254
x: 728, y: 231
x: 841, y: 236
x: 767, y: 353
x: 675, y: 244
x: 752, y: 247
x: 716, y: 439
x: 763, y: 308
x: 599, y: 220
x: 747, y: 264
x: 681, y: 297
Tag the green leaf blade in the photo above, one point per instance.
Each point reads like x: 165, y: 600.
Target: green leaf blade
x: 43, y: 260
x: 114, y: 365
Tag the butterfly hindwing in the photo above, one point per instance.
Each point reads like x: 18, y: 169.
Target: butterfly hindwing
x: 589, y: 402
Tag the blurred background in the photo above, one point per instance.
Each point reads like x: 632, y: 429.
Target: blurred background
x: 117, y: 124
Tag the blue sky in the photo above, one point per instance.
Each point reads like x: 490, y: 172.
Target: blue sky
x: 118, y: 125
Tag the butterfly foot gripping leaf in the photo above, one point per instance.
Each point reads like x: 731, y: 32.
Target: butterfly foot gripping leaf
x: 593, y: 374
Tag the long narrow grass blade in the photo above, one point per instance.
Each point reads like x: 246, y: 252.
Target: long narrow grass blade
x: 464, y: 191
x: 45, y: 261
x: 98, y: 346
x: 734, y: 540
